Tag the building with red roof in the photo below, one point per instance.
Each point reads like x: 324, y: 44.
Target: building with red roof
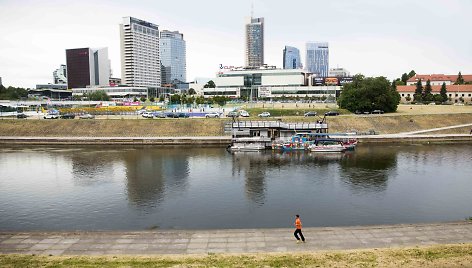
x: 437, y: 79
x: 455, y: 93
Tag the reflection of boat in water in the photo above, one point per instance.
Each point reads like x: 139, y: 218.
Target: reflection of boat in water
x: 327, y: 146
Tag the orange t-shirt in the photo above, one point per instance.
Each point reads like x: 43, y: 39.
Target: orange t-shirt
x: 298, y: 223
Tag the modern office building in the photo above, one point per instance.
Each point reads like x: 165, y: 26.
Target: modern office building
x: 173, y: 55
x: 339, y: 72
x: 292, y: 58
x: 1, y: 81
x: 254, y: 42
x: 317, y: 59
x: 60, y: 75
x: 270, y: 82
x: 140, y: 61
x: 87, y: 67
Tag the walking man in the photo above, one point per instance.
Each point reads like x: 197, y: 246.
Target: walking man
x: 298, y: 226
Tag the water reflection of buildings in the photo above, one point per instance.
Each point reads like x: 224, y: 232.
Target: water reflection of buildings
x: 369, y: 169
x: 91, y: 167
x: 151, y: 174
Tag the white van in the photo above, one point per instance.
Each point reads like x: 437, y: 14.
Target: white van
x: 243, y: 113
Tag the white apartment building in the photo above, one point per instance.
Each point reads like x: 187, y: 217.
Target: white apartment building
x: 140, y: 60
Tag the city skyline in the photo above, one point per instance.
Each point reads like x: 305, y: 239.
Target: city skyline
x: 364, y: 36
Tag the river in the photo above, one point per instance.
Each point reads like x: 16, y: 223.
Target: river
x: 125, y: 188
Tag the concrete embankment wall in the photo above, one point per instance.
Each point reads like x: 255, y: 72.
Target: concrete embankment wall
x: 211, y: 131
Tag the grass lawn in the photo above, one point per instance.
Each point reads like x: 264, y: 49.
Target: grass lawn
x: 434, y: 256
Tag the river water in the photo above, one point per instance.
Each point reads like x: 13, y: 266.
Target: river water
x: 123, y: 188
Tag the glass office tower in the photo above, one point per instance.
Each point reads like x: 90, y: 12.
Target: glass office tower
x: 254, y: 42
x: 317, y: 58
x: 292, y: 58
x: 173, y: 57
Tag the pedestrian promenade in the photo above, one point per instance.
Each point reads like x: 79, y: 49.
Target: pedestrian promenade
x: 232, y: 241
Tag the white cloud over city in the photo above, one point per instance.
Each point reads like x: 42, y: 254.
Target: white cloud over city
x: 365, y: 36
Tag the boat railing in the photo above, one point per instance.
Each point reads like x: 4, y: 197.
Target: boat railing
x: 278, y: 124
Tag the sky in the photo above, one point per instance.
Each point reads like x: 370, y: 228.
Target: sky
x: 372, y: 37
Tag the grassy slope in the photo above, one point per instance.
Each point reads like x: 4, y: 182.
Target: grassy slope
x: 214, y: 127
x: 434, y: 256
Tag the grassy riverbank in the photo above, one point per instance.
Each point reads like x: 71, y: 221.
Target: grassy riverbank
x: 384, y: 124
x: 434, y: 256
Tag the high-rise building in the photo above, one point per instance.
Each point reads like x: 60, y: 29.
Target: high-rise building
x: 254, y: 42
x: 317, y: 58
x: 173, y: 57
x: 60, y: 75
x: 140, y: 60
x: 87, y: 67
x: 292, y: 58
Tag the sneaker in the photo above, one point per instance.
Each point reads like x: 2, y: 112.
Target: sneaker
x: 298, y: 241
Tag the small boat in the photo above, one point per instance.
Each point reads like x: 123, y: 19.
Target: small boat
x: 248, y: 144
x: 327, y: 146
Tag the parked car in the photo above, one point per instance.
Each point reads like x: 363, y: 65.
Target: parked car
x: 212, y: 115
x: 183, y: 115
x: 87, y: 116
x: 244, y: 113
x: 377, y: 112
x: 332, y: 113
x: 147, y: 114
x: 68, y: 116
x: 51, y: 116
x: 21, y: 116
x: 159, y: 115
x: 310, y: 114
x: 264, y: 114
x: 172, y: 115
x: 232, y: 114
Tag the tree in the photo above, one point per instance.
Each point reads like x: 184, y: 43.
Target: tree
x: 175, y: 99
x: 220, y: 100
x: 408, y: 98
x: 152, y: 99
x: 200, y: 100
x: 367, y: 94
x: 443, y: 92
x: 161, y: 98
x: 427, y: 94
x: 210, y: 84
x: 438, y: 98
x: 192, y: 91
x: 460, y: 79
x: 411, y: 74
x: 405, y: 78
x: 98, y: 95
x: 418, y: 91
x: 142, y: 99
x: 13, y: 93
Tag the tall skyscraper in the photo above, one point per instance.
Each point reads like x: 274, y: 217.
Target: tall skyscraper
x: 140, y: 61
x: 173, y: 57
x: 60, y: 75
x: 317, y: 58
x: 254, y: 42
x: 292, y: 58
x: 87, y: 67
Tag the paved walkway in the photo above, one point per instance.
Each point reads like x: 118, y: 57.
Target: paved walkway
x: 232, y: 241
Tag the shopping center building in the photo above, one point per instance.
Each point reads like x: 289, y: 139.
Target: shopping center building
x: 270, y: 82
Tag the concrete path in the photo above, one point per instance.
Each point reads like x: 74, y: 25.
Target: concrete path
x: 232, y: 241
x: 434, y: 129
